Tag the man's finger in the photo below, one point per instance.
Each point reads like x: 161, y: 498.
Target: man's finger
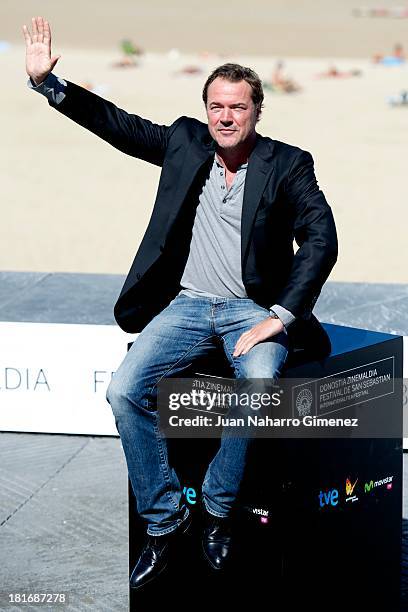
x: 243, y: 337
x: 47, y: 34
x: 250, y: 338
x: 239, y: 345
x: 54, y: 60
x: 40, y: 24
x: 243, y: 343
x: 34, y: 29
x: 246, y: 347
x: 27, y: 36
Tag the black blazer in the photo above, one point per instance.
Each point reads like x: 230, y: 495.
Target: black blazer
x: 282, y: 202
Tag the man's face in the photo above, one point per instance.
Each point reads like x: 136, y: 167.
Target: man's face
x: 231, y: 112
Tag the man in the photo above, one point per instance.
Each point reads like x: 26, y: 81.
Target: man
x: 215, y: 268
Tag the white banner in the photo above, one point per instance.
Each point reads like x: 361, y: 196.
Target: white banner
x: 53, y: 376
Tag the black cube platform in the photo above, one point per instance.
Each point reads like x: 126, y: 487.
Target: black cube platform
x: 300, y: 540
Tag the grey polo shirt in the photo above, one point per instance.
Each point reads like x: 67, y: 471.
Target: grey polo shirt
x: 213, y: 267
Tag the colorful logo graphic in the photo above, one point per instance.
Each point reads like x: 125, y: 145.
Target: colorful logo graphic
x: 373, y: 484
x: 350, y: 490
x: 328, y: 498
x: 262, y: 513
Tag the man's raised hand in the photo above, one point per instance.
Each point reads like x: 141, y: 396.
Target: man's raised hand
x: 39, y: 62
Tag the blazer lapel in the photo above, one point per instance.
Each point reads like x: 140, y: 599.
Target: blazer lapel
x: 259, y: 170
x: 198, y: 153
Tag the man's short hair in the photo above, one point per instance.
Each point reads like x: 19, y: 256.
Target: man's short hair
x: 236, y: 73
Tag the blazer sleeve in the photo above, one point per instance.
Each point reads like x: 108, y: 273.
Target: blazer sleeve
x: 129, y: 133
x: 315, y: 234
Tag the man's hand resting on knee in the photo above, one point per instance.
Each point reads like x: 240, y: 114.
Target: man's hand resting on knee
x: 261, y: 331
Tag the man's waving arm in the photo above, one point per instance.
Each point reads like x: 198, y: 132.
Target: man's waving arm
x: 129, y: 133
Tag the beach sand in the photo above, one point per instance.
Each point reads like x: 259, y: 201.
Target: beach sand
x: 70, y: 202
x: 311, y: 28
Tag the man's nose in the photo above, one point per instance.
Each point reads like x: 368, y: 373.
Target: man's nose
x: 226, y: 116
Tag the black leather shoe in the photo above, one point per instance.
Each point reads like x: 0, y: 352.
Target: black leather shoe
x: 155, y: 556
x: 216, y: 539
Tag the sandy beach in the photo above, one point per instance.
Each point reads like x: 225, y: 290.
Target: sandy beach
x: 70, y: 202
x: 311, y: 28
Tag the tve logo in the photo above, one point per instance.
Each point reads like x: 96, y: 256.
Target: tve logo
x: 329, y: 498
x: 190, y: 495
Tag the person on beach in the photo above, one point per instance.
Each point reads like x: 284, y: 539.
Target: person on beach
x: 395, y: 59
x: 216, y: 271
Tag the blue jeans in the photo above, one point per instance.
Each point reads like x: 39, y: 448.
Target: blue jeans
x: 186, y: 329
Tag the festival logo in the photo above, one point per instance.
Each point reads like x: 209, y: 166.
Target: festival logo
x: 304, y: 401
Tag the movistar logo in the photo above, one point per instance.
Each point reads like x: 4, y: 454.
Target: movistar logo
x: 260, y: 511
x: 369, y: 486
